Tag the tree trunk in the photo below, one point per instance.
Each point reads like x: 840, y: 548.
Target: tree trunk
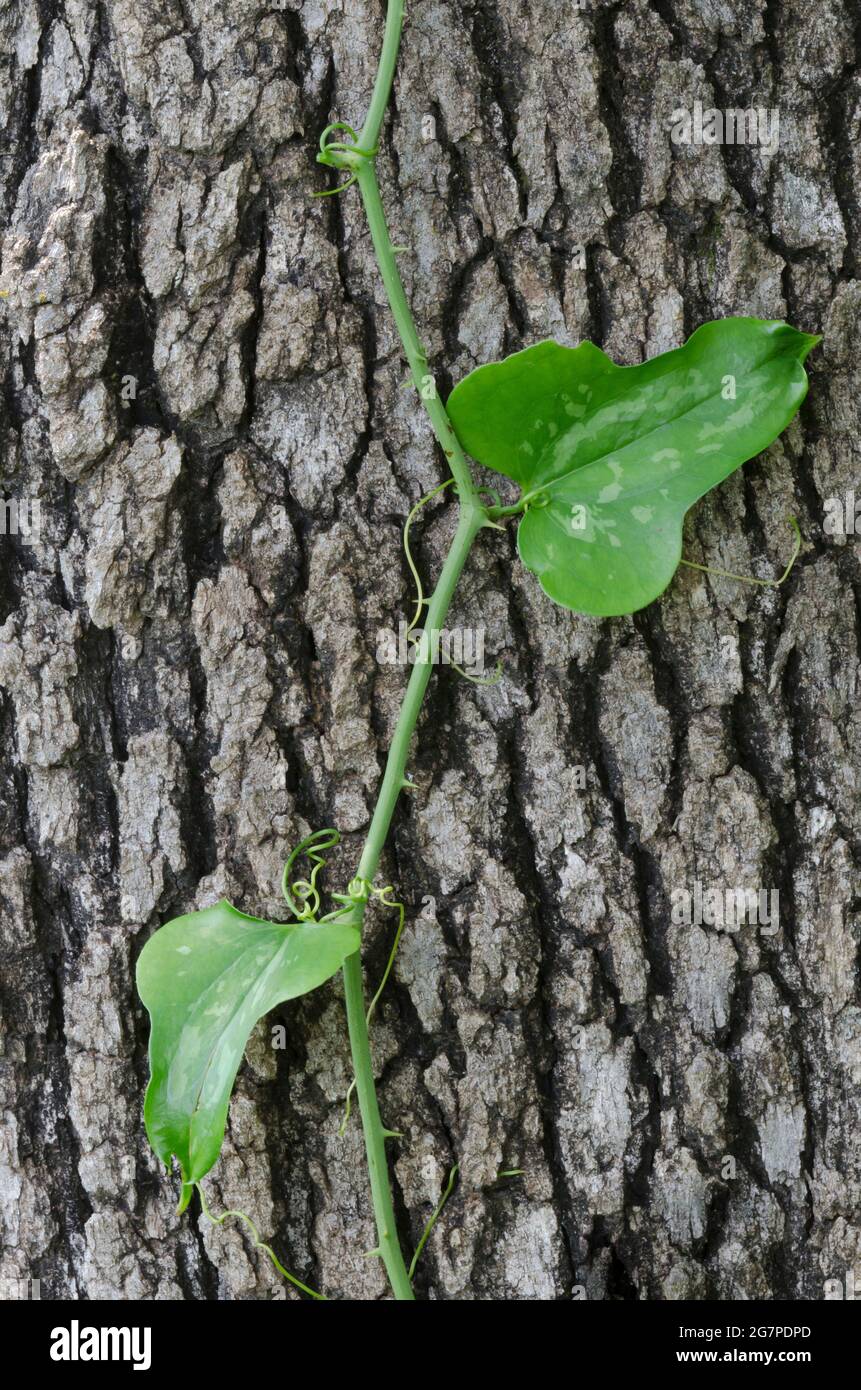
x: 203, y: 394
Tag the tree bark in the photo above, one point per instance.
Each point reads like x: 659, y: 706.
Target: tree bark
x: 203, y: 392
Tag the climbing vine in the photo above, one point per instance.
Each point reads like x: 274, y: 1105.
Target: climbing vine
x: 608, y: 460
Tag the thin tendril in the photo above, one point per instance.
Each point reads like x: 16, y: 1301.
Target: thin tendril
x: 348, y: 1106
x: 379, y: 894
x: 479, y: 680
x: 335, y: 125
x: 749, y: 578
x: 258, y: 1244
x: 420, y: 598
x: 305, y: 890
x: 333, y: 192
x: 434, y: 1218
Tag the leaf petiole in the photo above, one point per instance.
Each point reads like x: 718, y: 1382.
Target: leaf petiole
x: 516, y: 509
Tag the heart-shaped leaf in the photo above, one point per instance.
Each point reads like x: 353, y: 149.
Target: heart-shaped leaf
x: 206, y: 978
x: 610, y: 458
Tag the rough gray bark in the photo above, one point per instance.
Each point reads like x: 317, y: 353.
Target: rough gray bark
x: 187, y: 652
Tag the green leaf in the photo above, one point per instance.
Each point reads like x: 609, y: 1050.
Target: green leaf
x: 206, y: 978
x: 610, y: 458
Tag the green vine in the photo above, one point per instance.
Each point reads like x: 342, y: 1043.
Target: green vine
x: 608, y: 460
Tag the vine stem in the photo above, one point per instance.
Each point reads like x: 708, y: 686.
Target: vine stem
x: 387, y: 260
x: 415, y: 353
x: 471, y: 518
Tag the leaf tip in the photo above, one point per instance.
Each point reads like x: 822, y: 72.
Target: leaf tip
x: 811, y: 340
